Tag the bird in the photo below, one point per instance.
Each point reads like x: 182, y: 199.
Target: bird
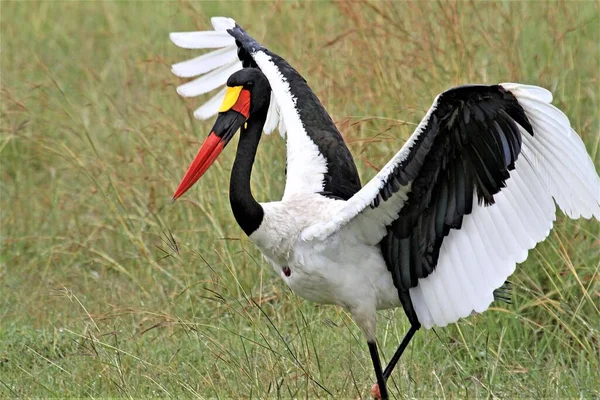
x: 437, y: 231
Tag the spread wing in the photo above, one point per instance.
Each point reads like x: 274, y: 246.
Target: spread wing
x: 212, y: 69
x: 318, y: 160
x: 469, y: 194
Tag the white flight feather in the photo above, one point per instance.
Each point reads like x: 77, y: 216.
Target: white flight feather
x: 462, y: 298
x: 209, y: 81
x: 222, y: 23
x: 211, y: 107
x: 492, y: 240
x: 221, y: 62
x: 478, y: 258
x: 202, y: 39
x: 272, y: 116
x: 205, y: 63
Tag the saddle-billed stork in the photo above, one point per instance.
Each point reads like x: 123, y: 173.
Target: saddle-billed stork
x: 437, y: 231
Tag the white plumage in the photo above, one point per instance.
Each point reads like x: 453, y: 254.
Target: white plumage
x: 224, y: 58
x: 306, y: 166
x: 329, y: 249
x: 474, y: 261
x: 209, y: 81
x: 337, y: 270
x: 202, y: 40
x: 478, y: 258
x: 211, y: 107
x: 206, y: 62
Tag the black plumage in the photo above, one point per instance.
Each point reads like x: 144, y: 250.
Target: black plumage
x: 467, y: 148
x: 341, y: 179
x: 464, y: 151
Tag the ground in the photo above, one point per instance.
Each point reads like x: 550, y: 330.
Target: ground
x: 108, y: 290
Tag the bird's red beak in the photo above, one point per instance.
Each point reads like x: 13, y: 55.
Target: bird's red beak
x: 232, y: 115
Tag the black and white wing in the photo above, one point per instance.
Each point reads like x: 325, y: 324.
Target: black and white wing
x: 211, y: 70
x: 318, y: 160
x: 468, y: 195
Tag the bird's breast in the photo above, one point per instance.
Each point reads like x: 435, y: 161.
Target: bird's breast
x: 338, y: 270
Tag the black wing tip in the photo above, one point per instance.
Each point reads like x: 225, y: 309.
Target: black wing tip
x: 243, y: 39
x: 465, y: 92
x: 246, y: 44
x: 512, y: 105
x: 458, y: 152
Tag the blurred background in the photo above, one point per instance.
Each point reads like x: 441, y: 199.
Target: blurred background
x: 108, y: 290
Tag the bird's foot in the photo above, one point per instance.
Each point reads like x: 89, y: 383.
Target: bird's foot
x: 375, y: 392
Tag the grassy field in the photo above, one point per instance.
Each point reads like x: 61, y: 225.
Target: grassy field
x: 108, y: 290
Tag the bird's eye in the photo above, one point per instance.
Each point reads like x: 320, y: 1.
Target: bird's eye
x: 250, y: 84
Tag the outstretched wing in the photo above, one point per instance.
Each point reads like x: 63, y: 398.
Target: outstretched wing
x: 469, y: 194
x: 212, y: 69
x: 318, y: 160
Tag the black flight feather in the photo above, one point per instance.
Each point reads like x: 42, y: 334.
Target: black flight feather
x: 467, y: 148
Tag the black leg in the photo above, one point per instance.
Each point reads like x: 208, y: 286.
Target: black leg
x: 377, y: 366
x: 396, y: 357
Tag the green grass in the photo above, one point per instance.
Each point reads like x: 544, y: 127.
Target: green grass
x: 108, y: 290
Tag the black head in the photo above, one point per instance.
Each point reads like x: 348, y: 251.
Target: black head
x: 248, y: 95
x: 255, y: 82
